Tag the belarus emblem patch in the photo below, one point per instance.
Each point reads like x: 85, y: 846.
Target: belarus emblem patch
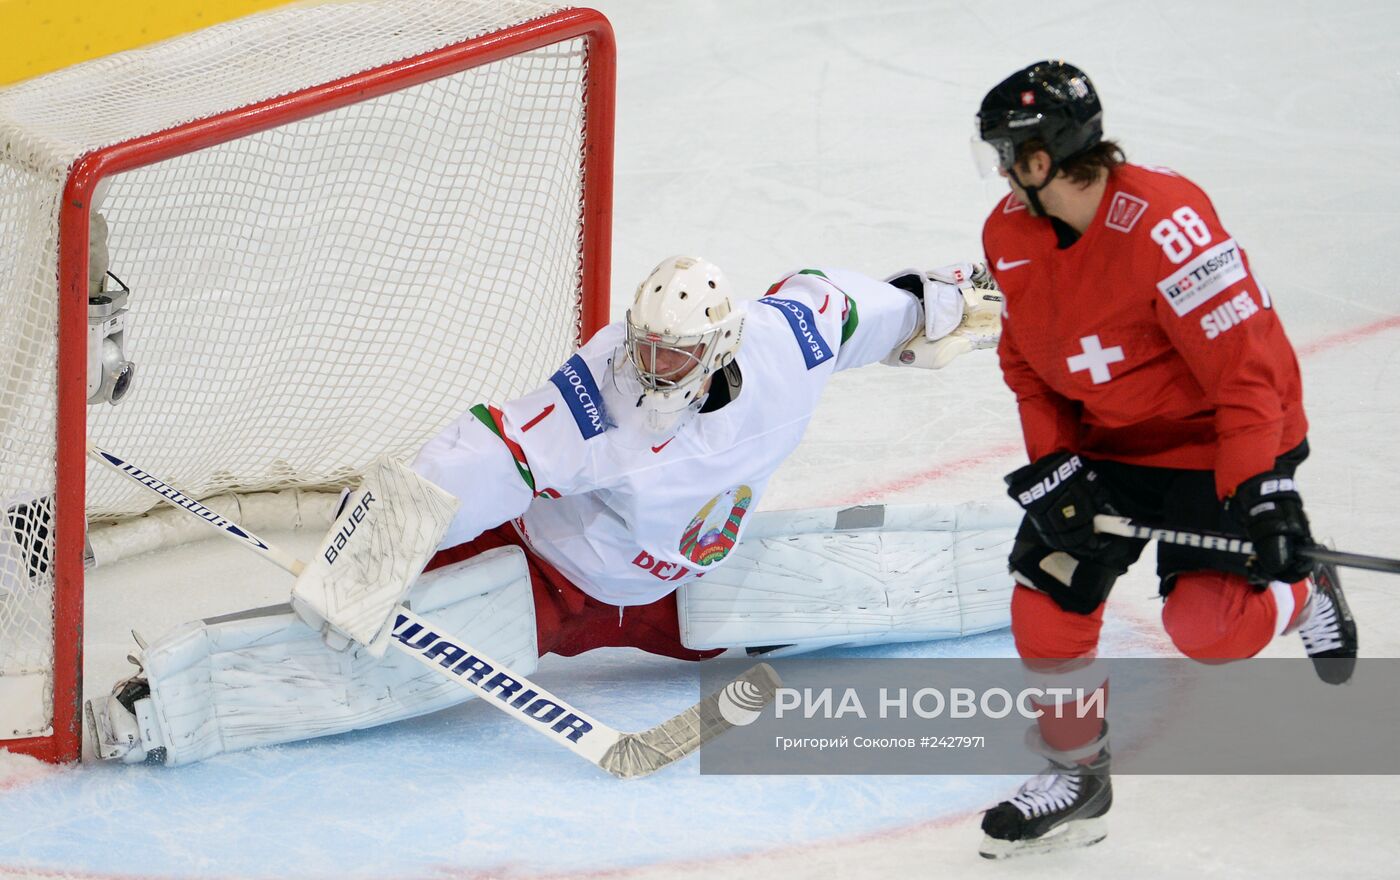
x: 715, y: 529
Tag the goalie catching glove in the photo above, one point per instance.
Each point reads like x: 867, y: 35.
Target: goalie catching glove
x: 962, y: 313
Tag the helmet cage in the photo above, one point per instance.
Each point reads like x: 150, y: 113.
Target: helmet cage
x: 667, y: 363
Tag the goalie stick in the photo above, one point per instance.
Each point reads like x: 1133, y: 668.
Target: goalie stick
x: 1128, y: 528
x: 624, y: 755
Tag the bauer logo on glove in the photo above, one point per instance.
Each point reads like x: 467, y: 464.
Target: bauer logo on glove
x: 1060, y: 474
x: 1061, y: 493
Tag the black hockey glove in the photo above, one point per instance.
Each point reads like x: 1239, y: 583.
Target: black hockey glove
x: 1060, y: 493
x: 1271, y: 511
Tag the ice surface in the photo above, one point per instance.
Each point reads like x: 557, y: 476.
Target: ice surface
x: 771, y: 136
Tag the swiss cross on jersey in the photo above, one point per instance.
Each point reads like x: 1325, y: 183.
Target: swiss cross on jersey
x: 1130, y: 343
x: 1096, y: 359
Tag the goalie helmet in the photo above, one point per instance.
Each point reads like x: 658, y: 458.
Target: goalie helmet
x: 681, y: 329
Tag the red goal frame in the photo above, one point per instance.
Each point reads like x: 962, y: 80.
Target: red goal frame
x: 64, y: 744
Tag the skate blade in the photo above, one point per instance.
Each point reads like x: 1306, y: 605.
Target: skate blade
x: 1334, y: 670
x: 1071, y: 835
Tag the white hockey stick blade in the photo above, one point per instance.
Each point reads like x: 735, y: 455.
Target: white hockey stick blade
x: 624, y: 755
x: 644, y: 752
x: 390, y: 527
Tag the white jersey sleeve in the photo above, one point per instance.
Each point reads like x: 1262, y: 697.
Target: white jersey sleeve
x: 469, y: 459
x: 496, y: 460
x: 861, y: 318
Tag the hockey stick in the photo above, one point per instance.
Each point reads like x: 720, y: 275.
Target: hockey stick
x: 1128, y: 528
x: 624, y: 755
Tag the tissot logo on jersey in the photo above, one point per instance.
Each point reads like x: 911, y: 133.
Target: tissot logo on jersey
x: 579, y: 390
x: 804, y: 326
x: 1204, y: 277
x: 1229, y: 314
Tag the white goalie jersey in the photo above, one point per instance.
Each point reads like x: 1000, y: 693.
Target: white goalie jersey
x: 628, y: 515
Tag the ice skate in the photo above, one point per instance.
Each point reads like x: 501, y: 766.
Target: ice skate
x: 120, y: 727
x: 1062, y: 808
x: 1328, y: 630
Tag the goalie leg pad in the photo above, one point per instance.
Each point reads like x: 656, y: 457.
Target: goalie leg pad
x: 874, y: 574
x: 262, y: 677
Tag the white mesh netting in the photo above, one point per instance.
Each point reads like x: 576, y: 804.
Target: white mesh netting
x: 303, y: 299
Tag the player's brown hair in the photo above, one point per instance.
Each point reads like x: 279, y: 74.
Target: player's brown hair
x: 1085, y: 167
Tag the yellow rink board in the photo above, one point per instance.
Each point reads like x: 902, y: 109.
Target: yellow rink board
x: 39, y: 36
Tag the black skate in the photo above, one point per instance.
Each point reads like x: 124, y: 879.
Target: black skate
x: 1328, y: 629
x: 1062, y: 808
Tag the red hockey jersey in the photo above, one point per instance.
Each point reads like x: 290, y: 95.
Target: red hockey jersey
x: 1147, y: 341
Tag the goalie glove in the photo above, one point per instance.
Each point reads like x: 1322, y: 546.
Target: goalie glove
x: 386, y: 532
x: 962, y: 313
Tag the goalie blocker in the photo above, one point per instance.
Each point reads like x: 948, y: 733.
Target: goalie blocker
x: 801, y: 580
x: 385, y: 533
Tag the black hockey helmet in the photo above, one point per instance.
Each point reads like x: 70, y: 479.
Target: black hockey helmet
x: 1052, y: 101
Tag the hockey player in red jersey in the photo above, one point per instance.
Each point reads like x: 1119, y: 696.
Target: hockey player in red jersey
x: 1154, y: 380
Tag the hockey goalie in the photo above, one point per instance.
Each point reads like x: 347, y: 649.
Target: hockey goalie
x: 614, y: 506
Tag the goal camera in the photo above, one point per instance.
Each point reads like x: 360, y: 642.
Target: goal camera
x: 109, y: 373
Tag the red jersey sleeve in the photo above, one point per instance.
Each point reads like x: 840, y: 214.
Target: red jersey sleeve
x: 1049, y: 421
x: 1225, y: 328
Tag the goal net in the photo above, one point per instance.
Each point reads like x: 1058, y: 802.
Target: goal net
x: 340, y: 226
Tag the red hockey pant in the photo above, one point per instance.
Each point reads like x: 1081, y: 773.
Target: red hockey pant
x: 1210, y: 616
x: 569, y: 622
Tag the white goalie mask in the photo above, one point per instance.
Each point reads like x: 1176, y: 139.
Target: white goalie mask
x: 681, y: 329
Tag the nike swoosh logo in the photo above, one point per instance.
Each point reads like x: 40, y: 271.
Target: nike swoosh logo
x: 663, y: 445
x: 1003, y: 265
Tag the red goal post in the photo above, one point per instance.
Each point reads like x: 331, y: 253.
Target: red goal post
x: 588, y: 274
